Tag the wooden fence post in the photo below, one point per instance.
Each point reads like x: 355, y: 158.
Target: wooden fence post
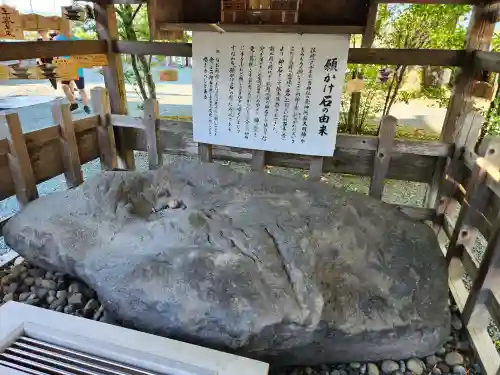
x: 151, y: 117
x: 19, y: 161
x: 479, y: 36
x: 316, y: 168
x: 69, y: 147
x: 205, y: 152
x: 466, y: 134
x: 258, y: 160
x: 383, y: 155
x: 105, y: 134
x: 107, y: 29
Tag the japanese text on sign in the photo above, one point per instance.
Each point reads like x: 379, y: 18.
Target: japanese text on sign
x: 276, y: 92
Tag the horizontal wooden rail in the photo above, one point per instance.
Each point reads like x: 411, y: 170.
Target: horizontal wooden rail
x: 31, y: 50
x: 489, y: 61
x: 153, y: 48
x: 45, y: 152
x: 434, y: 57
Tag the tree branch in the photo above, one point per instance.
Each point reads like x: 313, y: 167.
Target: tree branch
x: 135, y: 13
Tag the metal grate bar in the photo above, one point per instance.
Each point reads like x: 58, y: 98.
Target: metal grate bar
x: 74, y: 360
x: 36, y: 357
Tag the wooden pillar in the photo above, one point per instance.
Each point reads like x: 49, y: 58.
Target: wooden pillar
x: 151, y: 117
x: 105, y: 134
x: 107, y: 30
x: 205, y: 152
x: 19, y: 161
x: 258, y: 160
x: 479, y: 36
x: 69, y: 146
x: 383, y: 155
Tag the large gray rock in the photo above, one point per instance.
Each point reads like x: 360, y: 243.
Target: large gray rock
x: 282, y: 270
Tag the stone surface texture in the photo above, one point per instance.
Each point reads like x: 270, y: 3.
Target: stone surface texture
x: 287, y: 271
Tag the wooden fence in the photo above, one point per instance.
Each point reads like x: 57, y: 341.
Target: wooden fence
x: 473, y: 181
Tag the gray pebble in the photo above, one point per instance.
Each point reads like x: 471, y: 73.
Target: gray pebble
x: 342, y: 372
x: 355, y: 365
x: 389, y: 367
x: 24, y: 296
x: 49, y: 275
x: 29, y: 281
x: 362, y: 370
x: 463, y: 345
x: 431, y: 360
x: 456, y: 323
x: 60, y: 308
x: 416, y: 366
x: 18, y: 261
x: 57, y: 302
x: 441, y: 352
x: 49, y: 284
x: 50, y: 299
x: 12, y: 288
x: 42, y: 293
x: 90, y: 307
x: 335, y: 372
x: 436, y: 371
x: 373, y: 369
x: 76, y: 300
x: 52, y: 293
x: 68, y: 309
x: 32, y: 296
x: 402, y: 366
x: 443, y: 367
x: 33, y: 301
x: 33, y: 289
x: 16, y: 271
x: 9, y: 297
x: 62, y: 294
x: 74, y: 287
x: 459, y: 370
x: 454, y: 359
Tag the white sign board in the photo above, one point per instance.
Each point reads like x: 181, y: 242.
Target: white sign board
x: 268, y: 91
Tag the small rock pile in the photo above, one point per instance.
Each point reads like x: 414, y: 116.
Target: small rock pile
x: 24, y: 282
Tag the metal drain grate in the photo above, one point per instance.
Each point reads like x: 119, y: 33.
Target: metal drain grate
x: 41, y: 358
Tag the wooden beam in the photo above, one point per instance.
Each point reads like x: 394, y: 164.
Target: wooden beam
x: 205, y: 152
x: 432, y: 57
x: 258, y: 28
x: 107, y: 30
x: 389, y: 56
x: 153, y: 48
x: 489, y: 61
x: 31, y: 50
x: 316, y: 168
x: 369, y: 33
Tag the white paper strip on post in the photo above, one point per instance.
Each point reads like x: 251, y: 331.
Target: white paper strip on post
x: 268, y: 91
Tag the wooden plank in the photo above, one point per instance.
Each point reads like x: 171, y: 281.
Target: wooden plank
x: 105, y: 134
x: 73, y: 169
x: 177, y: 139
x: 489, y: 61
x: 258, y: 160
x: 31, y: 50
x: 153, y: 48
x: 263, y: 28
x: 107, y: 30
x: 479, y: 37
x: 19, y: 161
x: 383, y: 156
x: 152, y: 130
x: 205, y: 152
x: 387, y: 56
x: 316, y: 168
